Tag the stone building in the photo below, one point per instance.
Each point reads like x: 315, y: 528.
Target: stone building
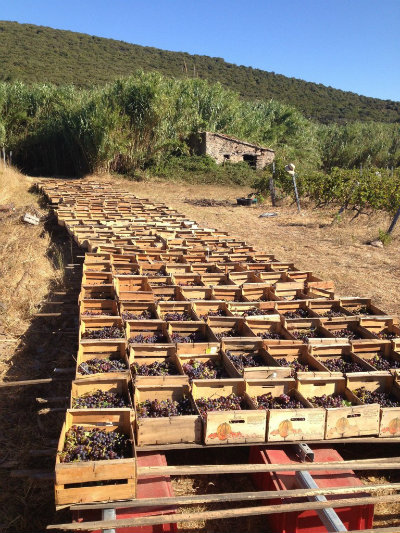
x: 224, y: 148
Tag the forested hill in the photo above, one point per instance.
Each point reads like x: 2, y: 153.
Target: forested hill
x: 39, y: 54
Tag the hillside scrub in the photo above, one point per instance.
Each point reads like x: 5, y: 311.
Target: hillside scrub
x: 140, y: 123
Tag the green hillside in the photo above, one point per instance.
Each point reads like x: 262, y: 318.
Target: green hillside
x: 39, y: 54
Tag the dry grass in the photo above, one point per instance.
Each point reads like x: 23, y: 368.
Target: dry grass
x: 25, y: 268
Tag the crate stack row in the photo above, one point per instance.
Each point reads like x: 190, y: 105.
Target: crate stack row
x: 198, y: 338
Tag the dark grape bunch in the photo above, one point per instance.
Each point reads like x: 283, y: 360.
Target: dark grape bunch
x: 195, y: 369
x: 362, y: 310
x: 177, y: 317
x: 195, y: 336
x: 83, y: 444
x: 157, y: 368
x: 218, y: 312
x: 253, y: 311
x: 267, y: 401
x: 164, y: 408
x: 148, y: 339
x: 102, y: 366
x: 383, y: 398
x: 332, y: 313
x: 122, y: 273
x: 342, y: 364
x: 306, y: 333
x: 243, y: 360
x: 233, y: 332
x: 380, y: 363
x: 100, y: 296
x: 96, y: 313
x: 223, y: 403
x: 345, y: 333
x: 190, y: 283
x: 299, y: 313
x: 108, y: 332
x: 295, y: 365
x: 331, y: 400
x: 386, y: 334
x: 270, y: 335
x: 144, y: 315
x: 98, y: 400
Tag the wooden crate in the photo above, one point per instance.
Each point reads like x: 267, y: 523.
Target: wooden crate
x: 97, y: 323
x: 206, y: 268
x: 355, y: 421
x: 99, y: 266
x: 204, y: 309
x: 131, y: 287
x: 272, y: 325
x: 104, y: 383
x: 136, y: 309
x: 97, y: 292
x: 90, y: 278
x: 160, y: 281
x: 256, y: 292
x: 327, y: 309
x: 381, y: 382
x: 123, y: 259
x: 235, y: 426
x: 215, y: 278
x: 110, y: 350
x: 286, y: 290
x: 270, y: 278
x: 380, y: 349
x: 98, y: 307
x: 163, y: 308
x: 245, y: 309
x: 207, y: 342
x: 171, y: 293
x: 227, y: 327
x: 147, y: 328
x: 381, y: 328
x: 197, y: 293
x: 245, y: 276
x: 227, y: 293
x: 188, y: 280
x: 126, y: 269
x: 324, y: 352
x: 361, y: 307
x: 298, y: 352
x: 178, y: 268
x: 160, y: 354
x: 351, y: 324
x: 293, y: 309
x: 215, y: 358
x: 282, y: 265
x: 285, y: 425
x: 166, y: 430
x: 267, y: 370
x: 303, y: 329
x: 102, y: 480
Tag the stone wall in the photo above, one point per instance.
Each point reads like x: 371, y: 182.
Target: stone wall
x: 222, y: 148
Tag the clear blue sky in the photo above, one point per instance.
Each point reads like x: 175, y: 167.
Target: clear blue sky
x: 349, y: 44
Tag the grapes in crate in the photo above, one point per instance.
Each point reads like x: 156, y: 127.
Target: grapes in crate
x: 218, y: 312
x: 294, y: 365
x: 144, y: 315
x: 362, y: 310
x: 387, y: 335
x: 108, y: 332
x: 233, y: 332
x: 306, y: 333
x: 164, y: 408
x: 332, y: 313
x: 99, y: 400
x: 101, y: 366
x: 383, y: 398
x: 195, y: 336
x: 232, y: 402
x: 299, y: 313
x: 380, y: 363
x: 270, y: 335
x: 329, y: 400
x: 177, y: 317
x: 157, y: 368
x: 342, y: 364
x: 283, y: 401
x: 148, y: 339
x: 243, y: 361
x: 195, y: 369
x: 83, y: 444
x: 96, y: 313
x: 345, y: 333
x: 254, y: 311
